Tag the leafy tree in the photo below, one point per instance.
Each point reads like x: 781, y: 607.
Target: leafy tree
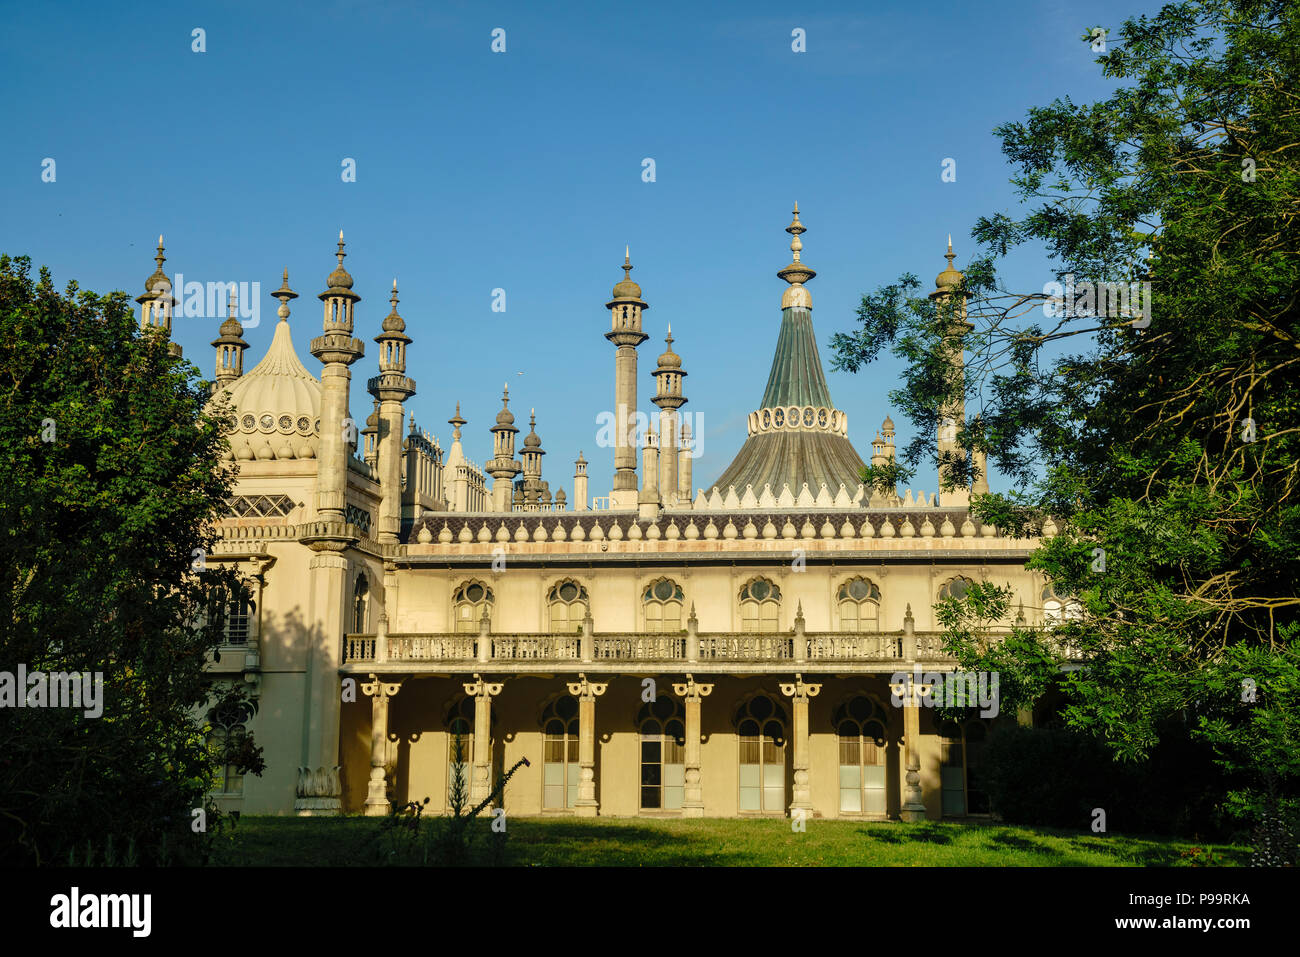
x: 112, y: 481
x: 1163, y: 441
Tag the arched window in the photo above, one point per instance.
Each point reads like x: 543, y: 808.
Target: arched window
x: 955, y: 588
x: 460, y: 725
x: 360, y: 605
x: 560, y: 768
x: 662, y: 725
x: 663, y: 606
x: 861, y: 724
x: 859, y: 601
x: 228, y: 723
x: 760, y: 606
x: 1058, y: 608
x: 962, y: 748
x: 760, y: 726
x: 567, y: 605
x: 470, y: 600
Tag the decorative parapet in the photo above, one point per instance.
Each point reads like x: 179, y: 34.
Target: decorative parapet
x: 718, y: 647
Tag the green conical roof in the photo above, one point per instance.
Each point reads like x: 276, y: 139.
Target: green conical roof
x: 796, y: 377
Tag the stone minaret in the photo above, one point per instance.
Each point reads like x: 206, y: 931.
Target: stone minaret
x: 669, y: 398
x: 370, y: 438
x: 532, y: 454
x: 580, y: 499
x: 337, y: 350
x: 625, y: 332
x: 648, y: 501
x: 503, y: 467
x: 887, y: 430
x: 230, y: 346
x: 157, y: 302
x: 685, y: 452
x: 392, y: 388
x: 953, y: 416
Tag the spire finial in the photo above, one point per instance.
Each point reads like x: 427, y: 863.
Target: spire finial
x: 795, y: 228
x: 393, y: 298
x: 341, y: 253
x: 950, y: 255
x: 669, y: 338
x: 232, y: 304
x: 505, y: 393
x: 284, y: 294
x: 627, y: 263
x: 456, y: 421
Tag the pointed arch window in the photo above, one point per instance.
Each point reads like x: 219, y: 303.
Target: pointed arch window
x: 460, y: 723
x: 560, y: 768
x: 1059, y: 608
x: 471, y: 599
x: 861, y: 724
x: 228, y: 725
x: 761, y: 731
x: 662, y: 726
x: 962, y: 767
x: 760, y: 606
x: 859, y: 604
x: 663, y: 600
x: 955, y: 588
x: 567, y: 606
x: 360, y: 605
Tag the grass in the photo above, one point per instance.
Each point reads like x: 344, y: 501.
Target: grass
x: 634, y: 842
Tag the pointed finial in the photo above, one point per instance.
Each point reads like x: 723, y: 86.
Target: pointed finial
x: 231, y: 304
x: 393, y: 298
x: 505, y: 393
x: 340, y: 253
x: 950, y: 255
x: 284, y: 294
x: 627, y: 263
x: 412, y: 423
x: 669, y: 338
x: 908, y: 613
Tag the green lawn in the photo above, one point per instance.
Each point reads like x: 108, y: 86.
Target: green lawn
x: 352, y: 841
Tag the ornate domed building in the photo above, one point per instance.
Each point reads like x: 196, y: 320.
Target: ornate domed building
x: 736, y: 649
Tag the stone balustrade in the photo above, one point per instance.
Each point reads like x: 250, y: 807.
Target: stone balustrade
x: 651, y: 647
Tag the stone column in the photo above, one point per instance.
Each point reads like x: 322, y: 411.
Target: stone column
x: 648, y: 501
x: 391, y: 416
x: 911, y: 691
x: 480, y: 783
x: 377, y: 803
x: 800, y: 692
x: 587, y: 692
x: 693, y: 692
x: 319, y: 788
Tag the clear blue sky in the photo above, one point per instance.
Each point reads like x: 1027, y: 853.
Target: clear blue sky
x: 523, y: 171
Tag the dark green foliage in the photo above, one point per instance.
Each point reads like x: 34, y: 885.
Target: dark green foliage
x: 1055, y: 777
x: 110, y: 485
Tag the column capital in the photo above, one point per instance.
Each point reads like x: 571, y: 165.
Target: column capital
x: 692, y: 689
x: 378, y: 688
x: 486, y: 689
x: 910, y: 690
x: 800, y: 689
x: 582, y: 688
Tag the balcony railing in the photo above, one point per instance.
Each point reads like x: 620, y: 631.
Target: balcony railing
x: 678, y: 648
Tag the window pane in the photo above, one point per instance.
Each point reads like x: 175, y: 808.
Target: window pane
x: 851, y: 799
x: 749, y: 799
x: 749, y: 776
x: 650, y: 798
x: 850, y: 776
x: 773, y: 799
x: 773, y: 776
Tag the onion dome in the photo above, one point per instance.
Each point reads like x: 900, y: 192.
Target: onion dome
x: 392, y: 322
x: 276, y: 404
x: 670, y: 360
x: 340, y: 278
x: 950, y: 278
x: 532, y: 440
x: 888, y: 424
x: 625, y: 288
x: 159, y: 277
x: 505, y: 417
